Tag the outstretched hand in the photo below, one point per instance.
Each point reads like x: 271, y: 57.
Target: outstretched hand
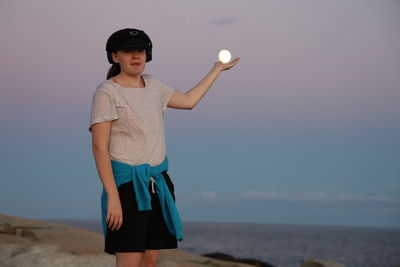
x: 226, y: 66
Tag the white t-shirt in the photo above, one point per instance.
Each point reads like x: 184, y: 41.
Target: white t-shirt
x: 137, y: 130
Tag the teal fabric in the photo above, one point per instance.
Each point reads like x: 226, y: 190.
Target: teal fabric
x: 140, y: 175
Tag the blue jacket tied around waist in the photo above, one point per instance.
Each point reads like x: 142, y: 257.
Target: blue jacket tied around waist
x: 141, y: 176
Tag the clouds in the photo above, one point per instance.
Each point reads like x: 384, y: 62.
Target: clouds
x: 316, y: 196
x: 286, y: 206
x: 319, y: 197
x: 224, y: 21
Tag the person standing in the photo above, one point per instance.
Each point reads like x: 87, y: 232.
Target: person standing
x: 139, y: 215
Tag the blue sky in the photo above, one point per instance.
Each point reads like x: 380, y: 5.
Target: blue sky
x: 304, y: 130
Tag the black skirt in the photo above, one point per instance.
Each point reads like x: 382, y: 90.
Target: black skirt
x: 140, y: 230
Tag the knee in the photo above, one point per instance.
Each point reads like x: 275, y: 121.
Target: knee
x: 149, y: 262
x: 150, y: 258
x: 128, y: 259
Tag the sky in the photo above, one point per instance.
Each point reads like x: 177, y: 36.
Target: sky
x: 303, y: 130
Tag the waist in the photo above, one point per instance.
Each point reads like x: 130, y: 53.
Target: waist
x: 138, y: 162
x: 124, y: 172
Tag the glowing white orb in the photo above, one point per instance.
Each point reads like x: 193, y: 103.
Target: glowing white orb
x: 224, y: 56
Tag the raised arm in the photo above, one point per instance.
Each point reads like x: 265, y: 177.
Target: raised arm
x: 190, y: 99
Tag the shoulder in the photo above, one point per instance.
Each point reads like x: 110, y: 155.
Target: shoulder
x: 154, y: 82
x: 151, y: 80
x: 148, y: 76
x: 106, y: 87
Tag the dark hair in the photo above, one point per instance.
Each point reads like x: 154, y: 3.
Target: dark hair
x: 114, y: 70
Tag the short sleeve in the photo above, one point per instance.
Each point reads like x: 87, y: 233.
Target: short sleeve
x: 166, y: 93
x: 103, y: 108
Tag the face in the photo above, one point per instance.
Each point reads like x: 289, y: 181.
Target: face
x: 131, y: 61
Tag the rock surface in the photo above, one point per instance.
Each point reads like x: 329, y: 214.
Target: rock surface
x: 26, y: 242
x: 320, y: 263
x: 227, y: 257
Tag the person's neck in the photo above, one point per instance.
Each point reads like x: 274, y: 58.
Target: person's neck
x: 129, y: 81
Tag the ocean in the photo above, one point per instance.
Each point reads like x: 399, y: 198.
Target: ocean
x: 286, y: 245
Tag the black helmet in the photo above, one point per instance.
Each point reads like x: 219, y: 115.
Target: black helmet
x: 126, y: 39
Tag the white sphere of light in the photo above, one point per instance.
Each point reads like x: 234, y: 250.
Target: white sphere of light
x: 224, y: 56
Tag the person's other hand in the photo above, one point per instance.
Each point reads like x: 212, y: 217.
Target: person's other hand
x: 114, y: 213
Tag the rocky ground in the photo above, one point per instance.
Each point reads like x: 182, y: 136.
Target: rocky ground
x: 26, y: 242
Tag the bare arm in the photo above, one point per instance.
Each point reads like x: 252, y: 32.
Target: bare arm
x: 100, y: 144
x: 190, y: 99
